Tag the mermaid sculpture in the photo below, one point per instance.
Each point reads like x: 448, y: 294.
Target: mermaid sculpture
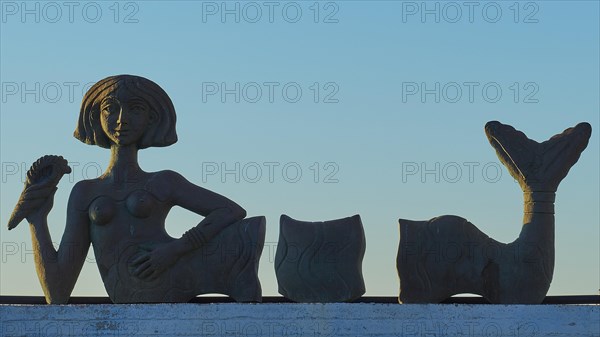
x: 122, y: 213
x: 448, y: 255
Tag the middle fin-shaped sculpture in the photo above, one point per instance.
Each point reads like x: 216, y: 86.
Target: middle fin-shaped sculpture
x: 448, y: 255
x: 320, y: 261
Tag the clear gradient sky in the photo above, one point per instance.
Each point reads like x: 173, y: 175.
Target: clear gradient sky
x: 382, y: 149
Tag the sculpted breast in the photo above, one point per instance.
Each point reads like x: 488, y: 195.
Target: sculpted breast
x: 139, y: 204
x: 102, y: 210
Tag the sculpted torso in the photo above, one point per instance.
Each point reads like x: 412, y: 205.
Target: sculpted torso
x: 123, y: 219
x: 126, y: 222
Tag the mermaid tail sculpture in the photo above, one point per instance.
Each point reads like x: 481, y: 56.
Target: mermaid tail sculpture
x: 448, y: 255
x: 44, y: 173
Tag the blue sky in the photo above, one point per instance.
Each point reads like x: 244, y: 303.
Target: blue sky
x: 357, y: 65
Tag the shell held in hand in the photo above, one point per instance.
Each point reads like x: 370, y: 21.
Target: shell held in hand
x: 46, y: 171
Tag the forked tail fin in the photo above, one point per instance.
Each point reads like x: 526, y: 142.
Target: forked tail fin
x: 538, y: 167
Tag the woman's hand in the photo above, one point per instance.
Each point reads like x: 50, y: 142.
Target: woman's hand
x: 36, y: 202
x: 155, y: 261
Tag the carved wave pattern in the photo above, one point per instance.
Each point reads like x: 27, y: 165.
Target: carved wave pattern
x: 320, y: 261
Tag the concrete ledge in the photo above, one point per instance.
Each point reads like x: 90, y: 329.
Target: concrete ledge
x: 287, y: 319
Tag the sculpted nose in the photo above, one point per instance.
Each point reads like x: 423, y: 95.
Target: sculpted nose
x: 122, y: 119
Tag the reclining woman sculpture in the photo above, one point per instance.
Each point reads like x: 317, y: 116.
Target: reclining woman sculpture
x: 122, y: 213
x: 448, y: 255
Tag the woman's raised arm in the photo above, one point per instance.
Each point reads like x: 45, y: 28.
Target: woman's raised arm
x: 58, y: 270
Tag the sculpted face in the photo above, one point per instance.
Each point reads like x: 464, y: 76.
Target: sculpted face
x: 124, y: 117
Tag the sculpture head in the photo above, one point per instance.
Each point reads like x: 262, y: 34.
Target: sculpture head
x: 124, y: 110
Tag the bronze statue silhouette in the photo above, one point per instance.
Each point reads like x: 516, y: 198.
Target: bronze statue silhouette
x: 448, y: 255
x: 122, y: 213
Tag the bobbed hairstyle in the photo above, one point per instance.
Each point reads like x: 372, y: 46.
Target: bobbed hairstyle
x: 161, y: 128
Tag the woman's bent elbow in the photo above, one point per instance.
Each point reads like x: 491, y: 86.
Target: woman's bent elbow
x: 238, y: 213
